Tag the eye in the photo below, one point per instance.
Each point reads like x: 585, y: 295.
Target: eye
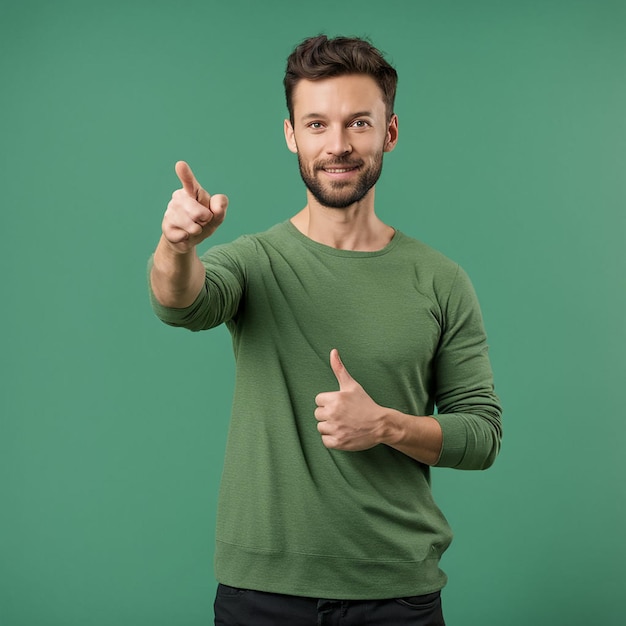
x: 360, y: 124
x: 315, y: 125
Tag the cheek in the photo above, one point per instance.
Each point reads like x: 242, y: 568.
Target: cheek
x: 308, y: 148
x: 309, y: 157
x: 376, y: 145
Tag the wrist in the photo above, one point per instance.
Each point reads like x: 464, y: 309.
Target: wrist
x: 393, y: 430
x: 176, y: 250
x: 419, y: 437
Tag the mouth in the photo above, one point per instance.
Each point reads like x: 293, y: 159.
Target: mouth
x: 339, y: 170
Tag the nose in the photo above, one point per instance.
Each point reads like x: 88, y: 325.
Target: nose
x: 338, y: 143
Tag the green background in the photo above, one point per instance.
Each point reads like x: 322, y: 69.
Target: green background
x: 511, y: 161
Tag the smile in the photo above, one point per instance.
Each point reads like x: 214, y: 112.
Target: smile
x: 340, y: 170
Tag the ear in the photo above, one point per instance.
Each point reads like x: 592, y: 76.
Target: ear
x: 392, y: 134
x: 290, y: 137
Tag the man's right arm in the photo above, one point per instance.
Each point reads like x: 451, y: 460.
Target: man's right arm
x: 192, y: 215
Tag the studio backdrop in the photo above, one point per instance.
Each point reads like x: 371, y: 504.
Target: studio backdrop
x: 511, y: 161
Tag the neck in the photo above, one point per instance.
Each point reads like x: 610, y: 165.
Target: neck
x: 357, y: 227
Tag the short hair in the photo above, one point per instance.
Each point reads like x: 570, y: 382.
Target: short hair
x: 319, y: 57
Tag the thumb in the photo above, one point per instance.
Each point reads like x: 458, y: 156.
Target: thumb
x: 339, y: 369
x: 185, y: 175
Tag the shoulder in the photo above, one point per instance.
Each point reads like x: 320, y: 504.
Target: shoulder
x: 276, y: 235
x: 250, y: 242
x: 424, y: 257
x: 436, y: 273
x: 248, y: 251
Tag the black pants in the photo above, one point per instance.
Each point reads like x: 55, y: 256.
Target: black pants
x: 243, y: 607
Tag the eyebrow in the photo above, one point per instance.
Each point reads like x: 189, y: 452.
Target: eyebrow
x: 310, y: 116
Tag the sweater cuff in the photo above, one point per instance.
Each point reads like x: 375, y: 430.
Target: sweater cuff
x: 454, y: 440
x: 170, y: 315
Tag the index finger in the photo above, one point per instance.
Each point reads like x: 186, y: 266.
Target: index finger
x: 188, y: 180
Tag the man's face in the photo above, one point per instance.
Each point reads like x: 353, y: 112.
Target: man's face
x: 340, y: 131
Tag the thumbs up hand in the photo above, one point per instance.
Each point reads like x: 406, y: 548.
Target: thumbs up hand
x: 348, y: 419
x: 192, y: 214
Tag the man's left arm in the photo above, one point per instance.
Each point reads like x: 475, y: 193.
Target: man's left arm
x: 468, y: 409
x: 349, y: 419
x: 465, y: 433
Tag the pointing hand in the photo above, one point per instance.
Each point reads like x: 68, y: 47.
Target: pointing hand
x: 192, y: 214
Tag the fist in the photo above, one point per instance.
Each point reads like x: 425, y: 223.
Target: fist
x: 192, y: 214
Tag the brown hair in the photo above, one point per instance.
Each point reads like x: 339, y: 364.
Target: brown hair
x: 319, y: 57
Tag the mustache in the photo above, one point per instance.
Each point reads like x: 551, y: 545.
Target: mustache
x: 338, y: 163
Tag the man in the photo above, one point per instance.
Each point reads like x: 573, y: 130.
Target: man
x: 346, y: 334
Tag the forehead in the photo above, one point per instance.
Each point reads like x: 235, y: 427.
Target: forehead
x: 339, y: 95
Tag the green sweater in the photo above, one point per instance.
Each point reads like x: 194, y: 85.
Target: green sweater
x: 295, y: 517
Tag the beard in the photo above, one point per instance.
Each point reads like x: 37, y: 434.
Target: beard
x: 340, y: 194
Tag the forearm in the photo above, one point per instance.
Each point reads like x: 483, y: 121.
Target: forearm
x: 421, y: 438
x: 461, y: 441
x: 176, y: 277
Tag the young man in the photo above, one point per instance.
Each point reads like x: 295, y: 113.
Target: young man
x: 346, y: 334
